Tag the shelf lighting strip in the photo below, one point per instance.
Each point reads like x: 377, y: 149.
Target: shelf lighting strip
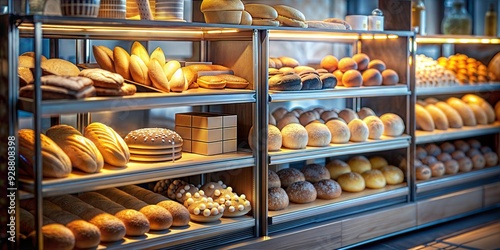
x: 457, y: 40
x: 108, y: 30
x: 287, y: 35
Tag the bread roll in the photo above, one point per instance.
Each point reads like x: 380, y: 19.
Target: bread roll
x: 491, y: 159
x: 54, y: 236
x: 352, y: 78
x: 139, y: 50
x: 307, y: 117
x: 277, y: 199
x: 393, y: 175
x: 443, y: 157
x: 102, y: 58
x: 139, y: 70
x: 294, y: 136
x: 361, y: 60
x: 55, y: 162
x: 348, y: 115
x: 437, y: 169
x: 423, y: 118
x: 465, y: 164
x: 478, y: 161
x: 159, y: 55
x: 290, y: 175
x: 346, y: 64
x: 374, y: 178
x: 433, y: 149
x: 180, y: 214
x: 378, y: 162
x: 315, y: 172
x: 327, y: 189
x: 428, y: 160
x: 328, y: 115
x: 423, y: 172
x: 393, y: 124
x: 479, y: 113
x: 112, y: 147
x: 390, y: 77
x: 301, y: 192
x: 375, y: 127
x: 464, y: 110
x: 359, y: 130
x: 420, y: 152
x: 461, y: 145
x: 338, y: 75
x: 339, y: 130
x: 273, y: 180
x: 286, y: 81
x: 438, y: 116
x: 122, y: 62
x: 359, y: 164
x: 447, y: 147
x: 456, y: 155
x: 377, y: 64
x: 330, y: 63
x: 287, y: 119
x: 487, y: 108
x: 158, y: 76
x: 451, y: 166
x: 274, y: 138
x: 453, y: 117
x: 318, y: 135
x: 372, y: 77
x: 351, y: 182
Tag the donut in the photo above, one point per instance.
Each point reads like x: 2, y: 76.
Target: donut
x: 301, y: 192
x: 327, y: 189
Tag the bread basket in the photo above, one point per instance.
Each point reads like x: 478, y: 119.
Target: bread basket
x: 81, y: 8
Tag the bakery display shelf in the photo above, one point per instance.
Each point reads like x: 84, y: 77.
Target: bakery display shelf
x: 458, y: 89
x: 456, y: 39
x: 178, y: 235
x: 385, y: 143
x: 136, y: 172
x: 456, y: 179
x: 339, y: 92
x: 331, y: 35
x: 456, y: 133
x: 347, y: 200
x: 141, y: 101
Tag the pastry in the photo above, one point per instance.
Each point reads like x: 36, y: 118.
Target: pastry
x: 294, y: 136
x: 351, y: 182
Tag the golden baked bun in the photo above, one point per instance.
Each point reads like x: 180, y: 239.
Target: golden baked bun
x: 348, y: 115
x: 465, y: 164
x: 374, y: 178
x: 423, y: 172
x: 378, y: 162
x: 390, y: 77
x: 377, y: 64
x: 372, y: 77
x: 359, y: 164
x: 273, y: 180
x: 361, y: 60
x: 375, y: 127
x: 346, y: 64
x: 315, y: 172
x: 289, y: 118
x: 301, y: 192
x: 277, y: 199
x: 122, y: 62
x: 339, y: 130
x: 359, y: 130
x: 288, y: 16
x: 307, y: 117
x: 338, y: 75
x: 289, y: 176
x: 461, y: 145
x: 112, y: 147
x: 451, y: 167
x: 327, y: 189
x: 139, y: 50
x: 274, y: 138
x: 352, y: 78
x: 318, y: 134
x: 453, y: 117
x: 337, y: 167
x: 437, y: 169
x: 365, y: 112
x: 294, y: 136
x: 393, y: 124
x: 491, y: 159
x: 330, y: 63
x: 393, y: 175
x: 351, y: 182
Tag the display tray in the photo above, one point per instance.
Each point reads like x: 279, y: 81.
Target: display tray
x: 456, y: 133
x: 385, y: 143
x: 346, y: 200
x: 135, y: 172
x: 457, y: 89
x: 179, y: 235
x: 446, y: 181
x: 340, y: 92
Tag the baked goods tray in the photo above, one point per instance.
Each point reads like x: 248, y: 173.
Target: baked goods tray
x: 457, y: 89
x: 346, y: 200
x: 340, y: 92
x: 456, y: 133
x: 385, y: 143
x: 138, y: 172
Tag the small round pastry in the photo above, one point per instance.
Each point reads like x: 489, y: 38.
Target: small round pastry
x: 451, y: 167
x: 346, y: 64
x: 443, y: 157
x: 173, y: 186
x: 205, y: 211
x: 377, y: 64
x: 328, y: 115
x: 352, y: 78
x: 277, y: 199
x: 301, y: 68
x: 372, y: 77
x: 294, y: 136
x: 485, y: 149
x: 474, y: 143
x: 184, y: 192
x: 361, y: 60
x: 318, y: 135
x: 423, y: 172
x: 337, y: 167
x: 428, y: 160
x: 420, y: 152
x: 351, y: 182
x: 359, y: 164
x: 289, y: 176
x: 327, y: 189
x: 359, y: 130
x: 338, y: 74
x: 465, y: 164
x: 461, y: 145
x: 301, y: 192
x: 478, y: 161
x: 279, y: 113
x: 339, y: 130
x: 273, y: 180
x: 393, y: 124
x: 365, y: 112
x: 315, y: 172
x: 378, y: 162
x: 287, y: 119
x: 472, y: 152
x: 390, y: 77
x: 348, y: 115
x: 437, y: 169
x: 307, y: 117
x: 491, y: 159
x: 374, y: 178
x: 213, y: 189
x: 433, y: 149
x: 393, y: 175
x: 234, y: 205
x: 375, y: 127
x: 329, y: 63
x: 457, y: 155
x: 447, y: 147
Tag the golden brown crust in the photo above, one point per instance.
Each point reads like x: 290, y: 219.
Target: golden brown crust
x: 158, y: 76
x: 103, y: 78
x: 122, y: 62
x: 139, y: 70
x: 112, y: 147
x: 102, y: 58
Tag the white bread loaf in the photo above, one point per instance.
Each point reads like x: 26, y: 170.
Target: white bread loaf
x: 294, y: 136
x: 479, y: 114
x: 375, y: 127
x: 339, y: 130
x: 438, y: 116
x: 358, y: 129
x: 82, y: 152
x: 112, y: 147
x: 453, y: 117
x: 464, y: 110
x: 423, y: 118
x: 318, y: 134
x: 393, y: 124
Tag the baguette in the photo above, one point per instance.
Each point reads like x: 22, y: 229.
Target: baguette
x: 135, y: 222
x: 122, y: 62
x: 438, y: 116
x: 423, y: 118
x: 112, y: 147
x: 454, y: 119
x: 103, y: 58
x: 159, y: 218
x: 465, y: 112
x: 488, y: 109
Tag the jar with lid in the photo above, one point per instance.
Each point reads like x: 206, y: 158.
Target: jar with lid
x: 418, y: 16
x: 457, y: 21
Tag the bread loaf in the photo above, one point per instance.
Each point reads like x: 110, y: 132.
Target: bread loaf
x: 273, y: 180
x: 351, y: 182
x: 453, y: 117
x: 359, y: 164
x: 294, y: 136
x: 479, y: 113
x: 339, y: 130
x: 393, y: 175
x: 103, y: 58
x: 122, y: 62
x: 487, y: 108
x: 170, y: 68
x: 423, y: 118
x: 277, y: 199
x: 318, y: 134
x: 375, y: 127
x: 438, y: 116
x: 139, y: 70
x: 139, y: 50
x: 359, y: 130
x: 157, y: 75
x: 464, y: 110
x: 374, y: 178
x: 178, y: 82
x: 82, y: 152
x: 301, y: 192
x: 393, y: 124
x: 159, y: 55
x: 315, y: 172
x: 289, y: 176
x: 327, y: 189
x: 112, y: 147
x: 55, y: 162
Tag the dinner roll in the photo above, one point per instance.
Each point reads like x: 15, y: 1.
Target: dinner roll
x: 337, y: 167
x: 339, y: 130
x: 393, y: 124
x: 352, y: 78
x: 307, y: 117
x: 294, y: 136
x: 365, y: 112
x: 290, y: 175
x: 423, y: 172
x: 351, y: 182
x: 329, y: 63
x: 315, y: 172
x: 277, y: 199
x: 273, y: 180
x: 372, y: 77
x: 375, y: 127
x: 327, y: 189
x: 374, y: 178
x: 318, y: 134
x: 378, y: 162
x: 361, y: 60
x: 359, y: 164
x: 274, y: 138
x: 346, y: 64
x: 451, y: 167
x: 348, y: 115
x: 287, y: 119
x: 390, y: 77
x: 359, y: 130
x: 393, y: 175
x: 301, y: 192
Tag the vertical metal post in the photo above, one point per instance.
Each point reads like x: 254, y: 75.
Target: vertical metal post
x: 410, y: 121
x: 37, y: 121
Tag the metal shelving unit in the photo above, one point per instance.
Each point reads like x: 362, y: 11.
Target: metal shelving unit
x: 456, y: 133
x: 458, y: 89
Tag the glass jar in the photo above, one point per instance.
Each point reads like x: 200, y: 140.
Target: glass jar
x: 418, y: 16
x: 457, y: 21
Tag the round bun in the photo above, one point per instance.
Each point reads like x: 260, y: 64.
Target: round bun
x: 378, y: 162
x: 451, y: 167
x: 339, y: 130
x: 273, y: 180
x: 279, y: 113
x: 447, y: 147
x: 327, y: 189
x: 359, y: 164
x: 290, y: 175
x: 375, y: 127
x: 428, y: 160
x: 315, y: 172
x: 346, y: 64
x: 359, y: 130
x: 153, y: 138
x: 284, y: 82
x: 337, y: 167
x: 328, y: 115
x: 277, y: 199
x: 348, y: 115
x: 478, y: 161
x: 287, y: 119
x: 443, y: 157
x: 159, y: 218
x: 307, y: 117
x: 372, y: 77
x: 437, y: 169
x: 301, y: 192
x: 274, y: 138
x: 361, y: 60
x: 339, y: 74
x: 393, y: 124
x: 330, y: 63
x: 374, y: 178
x: 390, y: 77
x: 351, y: 182
x: 491, y: 159
x: 294, y: 136
x: 461, y: 145
x: 433, y: 149
x: 377, y: 64
x: 261, y: 11
x: 318, y: 135
x: 423, y: 172
x: 393, y: 175
x: 352, y: 78
x: 365, y: 112
x: 465, y: 164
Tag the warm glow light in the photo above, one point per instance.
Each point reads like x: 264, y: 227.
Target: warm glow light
x: 312, y: 36
x: 457, y: 39
x: 222, y: 31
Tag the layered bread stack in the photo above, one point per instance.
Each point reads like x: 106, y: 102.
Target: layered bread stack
x: 262, y: 14
x: 154, y: 145
x: 107, y: 83
x: 61, y: 87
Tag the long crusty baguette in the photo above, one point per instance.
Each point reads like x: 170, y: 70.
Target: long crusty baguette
x: 159, y: 218
x: 438, y: 116
x: 475, y: 99
x: 111, y: 228
x: 423, y: 118
x: 465, y: 112
x: 454, y: 119
x: 135, y: 222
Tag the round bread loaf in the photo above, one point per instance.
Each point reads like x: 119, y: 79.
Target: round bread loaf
x: 372, y: 77
x: 346, y: 64
x: 365, y: 112
x: 315, y: 172
x: 318, y: 134
x: 180, y: 214
x: 271, y: 120
x: 273, y: 180
x: 307, y: 117
x: 289, y: 176
x: 423, y: 172
x: 274, y: 139
x: 351, y: 182
x: 375, y: 127
x: 491, y: 159
x: 456, y: 155
x: 478, y: 161
x: 428, y: 160
x: 328, y: 80
x: 451, y: 167
x: 432, y: 149
x: 393, y: 124
x: 348, y: 115
x: 287, y: 119
x: 359, y: 164
x: 390, y: 77
x: 352, y: 78
x: 153, y: 138
x: 284, y: 82
x: 472, y: 152
x: 359, y: 130
x: 327, y: 189
x: 329, y: 63
x: 374, y: 178
x: 437, y: 169
x: 447, y: 147
x: 279, y: 113
x: 420, y: 152
x: 361, y: 60
x: 297, y: 111
x: 294, y: 136
x: 338, y: 74
x: 56, y: 236
x: 393, y: 175
x: 461, y: 145
x: 443, y: 157
x: 474, y: 143
x: 378, y: 162
x: 337, y: 167
x: 301, y: 192
x: 339, y: 131
x: 277, y: 199
x: 377, y: 64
